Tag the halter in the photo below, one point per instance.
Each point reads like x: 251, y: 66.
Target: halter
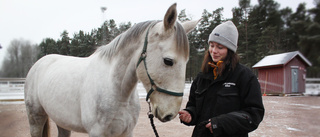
x: 154, y: 87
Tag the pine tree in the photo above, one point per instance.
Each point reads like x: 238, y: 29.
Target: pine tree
x: 64, y: 44
x: 48, y: 46
x: 264, y: 32
x: 240, y: 19
x: 310, y: 40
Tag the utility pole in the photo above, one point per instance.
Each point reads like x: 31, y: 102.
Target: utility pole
x: 104, y: 37
x: 103, y: 9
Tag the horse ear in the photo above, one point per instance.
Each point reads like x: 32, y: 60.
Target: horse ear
x: 170, y: 17
x: 190, y: 25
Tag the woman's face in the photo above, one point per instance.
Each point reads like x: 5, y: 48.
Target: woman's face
x: 217, y: 51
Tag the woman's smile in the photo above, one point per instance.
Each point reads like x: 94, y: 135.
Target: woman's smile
x: 217, y: 51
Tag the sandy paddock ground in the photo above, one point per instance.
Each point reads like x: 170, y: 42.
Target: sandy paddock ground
x: 285, y: 116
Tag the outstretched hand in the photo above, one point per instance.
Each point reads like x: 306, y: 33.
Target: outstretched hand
x: 185, y: 116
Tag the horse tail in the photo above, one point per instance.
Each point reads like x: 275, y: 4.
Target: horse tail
x: 46, y: 129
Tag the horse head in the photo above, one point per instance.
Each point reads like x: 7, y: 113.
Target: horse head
x: 165, y: 56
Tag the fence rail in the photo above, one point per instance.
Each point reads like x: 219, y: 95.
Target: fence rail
x: 313, y: 86
x: 10, y: 85
x: 12, y: 89
x: 312, y: 80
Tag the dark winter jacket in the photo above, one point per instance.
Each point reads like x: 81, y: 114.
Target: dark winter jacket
x: 233, y: 102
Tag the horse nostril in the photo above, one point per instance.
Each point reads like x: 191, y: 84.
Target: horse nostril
x: 168, y: 117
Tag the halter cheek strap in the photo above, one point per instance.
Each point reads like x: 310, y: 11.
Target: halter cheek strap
x: 154, y: 87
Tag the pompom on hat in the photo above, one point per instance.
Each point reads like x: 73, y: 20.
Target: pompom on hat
x: 225, y: 34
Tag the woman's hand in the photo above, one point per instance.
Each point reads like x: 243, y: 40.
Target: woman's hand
x: 209, y: 126
x: 185, y: 116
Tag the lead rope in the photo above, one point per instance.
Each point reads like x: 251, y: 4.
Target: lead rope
x: 150, y: 115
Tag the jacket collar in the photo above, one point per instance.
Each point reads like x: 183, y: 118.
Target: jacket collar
x: 210, y: 75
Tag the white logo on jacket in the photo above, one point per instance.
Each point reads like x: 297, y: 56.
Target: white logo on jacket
x: 229, y: 84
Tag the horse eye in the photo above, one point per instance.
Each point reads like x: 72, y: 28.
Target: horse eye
x: 168, y: 61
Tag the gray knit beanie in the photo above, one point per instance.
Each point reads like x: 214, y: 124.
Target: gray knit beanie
x: 225, y: 34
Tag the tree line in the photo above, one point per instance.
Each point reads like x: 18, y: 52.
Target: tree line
x: 264, y: 29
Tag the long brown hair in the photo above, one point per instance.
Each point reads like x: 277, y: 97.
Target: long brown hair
x: 232, y: 59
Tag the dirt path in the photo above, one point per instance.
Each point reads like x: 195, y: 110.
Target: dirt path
x: 285, y: 116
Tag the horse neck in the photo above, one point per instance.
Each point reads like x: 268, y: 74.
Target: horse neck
x: 123, y: 71
x: 129, y: 78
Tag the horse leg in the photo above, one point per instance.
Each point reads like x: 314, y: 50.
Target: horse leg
x: 63, y: 132
x: 38, y: 121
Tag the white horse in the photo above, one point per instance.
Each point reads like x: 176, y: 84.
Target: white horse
x: 96, y: 95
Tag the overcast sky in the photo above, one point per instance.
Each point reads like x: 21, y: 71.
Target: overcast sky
x: 35, y: 20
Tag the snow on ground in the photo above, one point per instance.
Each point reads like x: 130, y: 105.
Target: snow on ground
x: 7, y: 96
x: 311, y: 89
x: 12, y: 96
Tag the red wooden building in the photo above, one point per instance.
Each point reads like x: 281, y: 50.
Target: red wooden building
x: 282, y: 74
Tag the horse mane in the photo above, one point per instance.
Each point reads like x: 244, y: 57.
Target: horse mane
x: 182, y: 40
x: 132, y: 34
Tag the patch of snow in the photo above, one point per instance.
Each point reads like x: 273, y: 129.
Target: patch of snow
x: 293, y: 129
x: 306, y: 106
x: 12, y: 96
x: 11, y: 102
x: 312, y: 89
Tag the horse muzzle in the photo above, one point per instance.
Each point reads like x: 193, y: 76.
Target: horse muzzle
x: 163, y: 117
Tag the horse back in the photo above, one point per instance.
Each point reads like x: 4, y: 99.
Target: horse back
x: 38, y: 70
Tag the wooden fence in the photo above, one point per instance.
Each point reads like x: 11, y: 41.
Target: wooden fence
x: 313, y: 86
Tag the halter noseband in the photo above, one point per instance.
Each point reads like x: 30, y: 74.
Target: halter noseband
x: 154, y: 87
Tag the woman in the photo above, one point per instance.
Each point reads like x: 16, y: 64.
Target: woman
x: 225, y: 98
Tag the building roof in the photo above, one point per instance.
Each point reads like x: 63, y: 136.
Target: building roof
x: 280, y: 59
